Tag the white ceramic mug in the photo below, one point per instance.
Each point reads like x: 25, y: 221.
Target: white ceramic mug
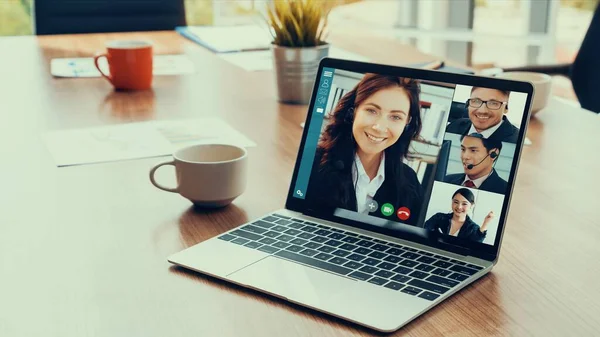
x: 542, y: 84
x: 210, y: 175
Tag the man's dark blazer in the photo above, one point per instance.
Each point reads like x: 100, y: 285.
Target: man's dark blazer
x: 325, y: 181
x: 505, y: 133
x: 493, y: 183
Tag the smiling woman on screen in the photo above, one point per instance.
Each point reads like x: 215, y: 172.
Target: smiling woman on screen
x: 359, y: 157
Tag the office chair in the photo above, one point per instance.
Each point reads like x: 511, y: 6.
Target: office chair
x: 584, y: 72
x: 105, y: 16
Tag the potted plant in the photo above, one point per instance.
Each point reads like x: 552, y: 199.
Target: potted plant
x: 298, y: 29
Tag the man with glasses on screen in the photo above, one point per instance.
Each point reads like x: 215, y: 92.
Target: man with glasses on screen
x: 487, y: 109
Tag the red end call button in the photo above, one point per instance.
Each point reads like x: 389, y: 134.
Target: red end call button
x: 403, y: 213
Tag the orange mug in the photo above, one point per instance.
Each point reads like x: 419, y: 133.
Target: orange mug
x: 129, y: 64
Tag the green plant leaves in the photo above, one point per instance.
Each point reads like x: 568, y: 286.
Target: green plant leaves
x: 297, y: 23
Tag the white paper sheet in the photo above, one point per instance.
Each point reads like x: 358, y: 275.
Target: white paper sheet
x: 224, y: 39
x: 262, y: 60
x: 84, y: 67
x: 138, y: 140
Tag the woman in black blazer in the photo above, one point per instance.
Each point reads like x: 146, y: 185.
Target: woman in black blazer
x: 373, y: 124
x: 458, y: 223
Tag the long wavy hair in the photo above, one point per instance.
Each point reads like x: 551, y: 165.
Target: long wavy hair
x: 338, y: 146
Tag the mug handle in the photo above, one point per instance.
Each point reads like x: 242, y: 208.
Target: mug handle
x: 153, y: 170
x: 96, y: 58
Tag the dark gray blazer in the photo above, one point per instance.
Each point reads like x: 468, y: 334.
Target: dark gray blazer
x: 505, y: 133
x: 493, y: 183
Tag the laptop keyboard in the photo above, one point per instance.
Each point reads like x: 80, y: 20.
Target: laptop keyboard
x: 393, y: 266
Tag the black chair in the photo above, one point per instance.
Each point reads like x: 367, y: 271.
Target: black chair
x: 106, y: 16
x: 584, y: 72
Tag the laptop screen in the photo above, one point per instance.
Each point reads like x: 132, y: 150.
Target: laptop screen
x: 397, y: 152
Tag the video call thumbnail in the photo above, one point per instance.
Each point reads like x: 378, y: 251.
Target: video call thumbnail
x: 427, y: 154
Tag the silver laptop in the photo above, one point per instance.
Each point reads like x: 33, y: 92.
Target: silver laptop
x: 398, y: 200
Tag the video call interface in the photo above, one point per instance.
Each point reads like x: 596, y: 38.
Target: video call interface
x: 410, y: 152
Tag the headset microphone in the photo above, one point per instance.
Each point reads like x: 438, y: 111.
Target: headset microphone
x: 492, y: 155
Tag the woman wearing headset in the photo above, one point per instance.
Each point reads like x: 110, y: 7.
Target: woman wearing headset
x: 458, y: 223
x: 359, y: 156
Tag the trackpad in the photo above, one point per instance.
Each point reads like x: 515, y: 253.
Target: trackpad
x: 293, y: 281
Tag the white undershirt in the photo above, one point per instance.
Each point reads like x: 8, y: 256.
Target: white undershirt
x: 366, y: 188
x: 477, y: 181
x: 486, y: 133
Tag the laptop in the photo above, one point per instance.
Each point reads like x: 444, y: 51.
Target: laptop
x: 371, y: 231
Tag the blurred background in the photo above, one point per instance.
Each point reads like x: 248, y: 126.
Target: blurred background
x: 479, y: 33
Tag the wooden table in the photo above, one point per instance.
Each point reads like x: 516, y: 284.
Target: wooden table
x: 83, y: 249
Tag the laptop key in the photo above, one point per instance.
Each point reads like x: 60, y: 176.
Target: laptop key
x: 442, y: 264
x: 246, y: 235
x: 252, y: 244
x: 394, y: 285
x: 306, y: 236
x: 314, y: 262
x: 369, y: 269
x: 411, y: 290
x: 280, y: 244
x: 428, y: 296
x: 267, y: 241
x: 472, y: 266
x: 378, y: 281
x: 270, y: 218
x: 341, y: 253
x: 424, y: 267
x: 296, y: 225
x: 384, y: 273
x: 463, y: 270
x: 355, y: 257
x: 333, y: 243
x: 283, y: 222
x: 309, y: 252
x: 338, y: 260
x: 350, y: 239
x: 365, y: 243
x: 442, y: 281
x: 323, y: 232
x: 326, y: 249
x: 371, y: 261
x: 401, y: 278
x: 402, y: 270
x: 456, y: 276
x: 298, y: 242
x: 363, y: 251
x: 348, y: 246
x: 240, y: 241
x: 379, y: 241
x: 441, y: 272
x: 353, y: 265
x: 279, y: 228
x: 281, y: 216
x: 323, y: 256
x: 418, y: 274
x: 394, y: 251
x: 428, y: 286
x: 350, y: 233
x: 312, y: 245
x: 377, y: 255
x: 226, y: 237
x: 425, y: 259
x: 409, y: 263
x: 380, y: 247
x: 292, y: 231
x: 337, y: 230
x: 409, y: 255
x: 320, y: 239
x: 295, y: 248
x: 392, y: 259
x: 360, y: 275
x: 309, y: 229
x: 272, y: 234
x: 386, y: 265
x: 285, y: 237
x: 268, y: 249
x: 263, y: 224
x: 336, y: 236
